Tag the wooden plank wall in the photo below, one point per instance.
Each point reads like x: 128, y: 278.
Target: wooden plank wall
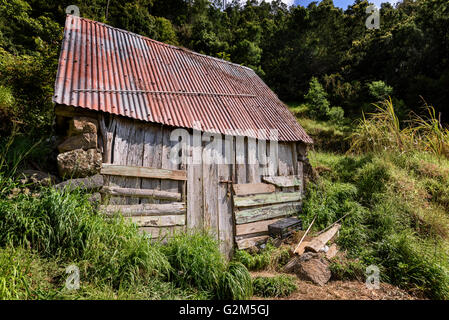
x: 208, y: 197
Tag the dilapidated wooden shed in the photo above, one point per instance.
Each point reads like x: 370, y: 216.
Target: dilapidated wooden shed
x: 130, y: 106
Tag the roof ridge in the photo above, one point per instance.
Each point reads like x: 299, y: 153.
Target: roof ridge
x: 163, y: 43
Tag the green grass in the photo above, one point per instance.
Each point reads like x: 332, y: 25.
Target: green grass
x: 274, y: 287
x: 397, y: 205
x: 269, y: 258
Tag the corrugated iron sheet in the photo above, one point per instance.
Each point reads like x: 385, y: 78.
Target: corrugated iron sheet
x: 107, y: 69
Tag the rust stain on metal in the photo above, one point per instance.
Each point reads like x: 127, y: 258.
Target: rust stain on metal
x: 107, y: 69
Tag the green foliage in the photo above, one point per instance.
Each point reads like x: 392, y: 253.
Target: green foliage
x: 196, y: 261
x: 395, y: 220
x: 268, y: 258
x: 379, y: 90
x: 336, y: 115
x: 235, y: 283
x: 274, y: 287
x: 316, y: 98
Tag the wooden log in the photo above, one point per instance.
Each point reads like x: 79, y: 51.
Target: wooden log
x: 284, y: 181
x: 249, y: 242
x: 141, y: 193
x: 253, y: 227
x: 268, y: 212
x: 146, y: 209
x: 130, y: 171
x: 270, y: 198
x: 159, y: 221
x: 164, y: 232
x: 319, y: 242
x: 253, y: 188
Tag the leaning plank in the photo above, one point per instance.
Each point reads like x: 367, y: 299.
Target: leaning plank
x: 142, y: 193
x: 253, y: 188
x: 270, y: 198
x: 158, y: 232
x: 159, y: 221
x: 283, y: 181
x: 142, y: 172
x: 319, y: 242
x: 268, y: 212
x: 253, y: 227
x: 146, y: 209
x: 249, y: 242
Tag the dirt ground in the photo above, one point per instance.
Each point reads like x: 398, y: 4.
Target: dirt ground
x: 340, y: 290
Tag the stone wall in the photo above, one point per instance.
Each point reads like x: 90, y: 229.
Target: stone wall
x: 79, y: 154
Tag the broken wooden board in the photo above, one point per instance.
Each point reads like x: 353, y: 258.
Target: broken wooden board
x: 143, y: 172
x: 159, y: 221
x: 284, y: 181
x: 253, y: 188
x: 319, y: 242
x: 268, y: 212
x: 146, y: 209
x: 269, y: 198
x: 253, y: 227
x: 301, y: 248
x: 249, y: 242
x: 141, y: 193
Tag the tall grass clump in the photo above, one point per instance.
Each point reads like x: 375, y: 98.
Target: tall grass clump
x: 63, y: 225
x: 235, y: 283
x: 383, y: 131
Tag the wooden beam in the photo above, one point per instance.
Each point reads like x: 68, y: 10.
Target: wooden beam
x: 70, y: 112
x: 269, y: 198
x: 253, y: 188
x: 253, y: 227
x: 284, y: 181
x: 317, y: 243
x: 268, y: 212
x: 141, y: 193
x: 143, y: 172
x: 249, y: 242
x: 159, y: 221
x: 145, y: 209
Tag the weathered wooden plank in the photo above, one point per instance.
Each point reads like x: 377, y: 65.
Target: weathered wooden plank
x: 167, y: 163
x: 195, y: 183
x: 268, y: 212
x: 268, y: 198
x: 249, y: 242
x: 119, y: 156
x: 107, y: 131
x: 252, y: 188
x: 146, y: 209
x: 284, y: 181
x: 286, y: 167
x: 161, y: 232
x: 134, y: 157
x: 130, y: 171
x: 159, y: 221
x: 210, y: 187
x: 253, y: 162
x: 142, y: 193
x: 253, y: 227
x: 225, y: 216
x: 273, y: 158
x: 320, y: 241
x: 241, y: 159
x: 152, y: 157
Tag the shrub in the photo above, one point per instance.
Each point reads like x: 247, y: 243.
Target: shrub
x: 279, y: 286
x: 379, y: 90
x: 316, y: 99
x: 336, y: 115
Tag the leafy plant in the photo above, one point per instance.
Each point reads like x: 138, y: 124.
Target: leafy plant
x: 274, y: 287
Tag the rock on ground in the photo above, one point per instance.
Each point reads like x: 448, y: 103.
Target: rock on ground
x: 38, y: 177
x: 79, y: 125
x: 313, y: 267
x: 79, y: 163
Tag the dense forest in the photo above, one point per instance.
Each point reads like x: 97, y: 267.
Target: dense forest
x: 407, y: 57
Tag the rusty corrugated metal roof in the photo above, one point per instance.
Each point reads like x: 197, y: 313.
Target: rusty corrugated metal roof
x: 107, y: 69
